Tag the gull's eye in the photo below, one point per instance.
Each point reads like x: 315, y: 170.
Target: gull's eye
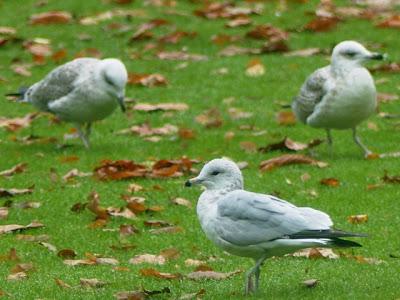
x: 350, y: 53
x: 108, y: 80
x: 215, y: 173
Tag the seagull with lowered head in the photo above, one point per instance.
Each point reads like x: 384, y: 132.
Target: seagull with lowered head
x: 341, y: 95
x: 256, y: 225
x: 81, y: 91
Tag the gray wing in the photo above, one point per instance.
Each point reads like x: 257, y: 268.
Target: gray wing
x: 58, y: 83
x: 311, y: 93
x: 245, y: 218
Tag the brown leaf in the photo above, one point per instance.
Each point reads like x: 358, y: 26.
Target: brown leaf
x: 148, y: 259
x: 310, y: 283
x: 289, y: 144
x: 89, y: 52
x: 33, y: 238
x: 267, y: 32
x: 248, y: 147
x: 357, y: 219
x: 135, y: 204
x: 194, y: 262
x: 7, y: 30
x: 49, y: 246
x: 59, y: 55
x: 180, y: 55
x: 78, y: 207
x: 387, y: 68
x: 146, y: 107
x: 182, y: 201
x: 201, y: 275
x: 134, y: 187
x: 51, y: 17
x: 222, y: 39
x: 390, y: 179
x: 17, y: 276
x: 20, y: 69
x: 131, y: 295
x: 143, y: 32
x: 66, y: 253
x: 10, y: 256
x: 175, y: 37
x: 149, y: 80
x: 286, y: 118
x: 314, y: 253
x: 121, y: 212
x: 238, y: 22
x: 156, y: 223
x: 61, y: 283
x: 3, y: 213
x: 288, y: 159
x: 75, y: 173
x: 210, y: 118
x: 191, y: 296
x: 126, y: 230
x: 186, y: 133
x: 303, y: 52
x: 15, y: 124
x: 91, y: 282
x: 157, y: 274
x: 332, y: 182
x: 233, y: 50
x: 94, y: 206
x: 78, y: 262
x: 255, y: 68
x: 15, y: 192
x: 15, y: 227
x: 322, y: 24
x: 119, y: 169
x: 145, y: 130
x: 390, y: 22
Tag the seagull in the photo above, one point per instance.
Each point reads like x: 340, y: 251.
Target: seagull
x: 81, y: 91
x: 256, y: 225
x: 341, y: 95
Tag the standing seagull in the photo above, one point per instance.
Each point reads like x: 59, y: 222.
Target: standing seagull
x: 257, y: 225
x: 341, y: 95
x: 81, y: 91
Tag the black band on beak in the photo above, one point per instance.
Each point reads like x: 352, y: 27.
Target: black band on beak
x: 377, y: 56
x: 188, y: 184
x: 122, y: 103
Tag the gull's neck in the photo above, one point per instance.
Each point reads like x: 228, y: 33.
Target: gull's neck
x: 340, y: 68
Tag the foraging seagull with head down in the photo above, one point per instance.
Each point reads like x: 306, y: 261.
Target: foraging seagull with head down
x: 256, y: 225
x: 81, y: 91
x: 341, y: 95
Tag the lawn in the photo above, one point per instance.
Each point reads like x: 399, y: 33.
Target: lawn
x: 201, y: 86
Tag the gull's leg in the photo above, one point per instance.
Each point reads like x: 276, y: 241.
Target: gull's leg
x: 330, y: 141
x: 82, y: 135
x: 88, y: 129
x: 360, y: 144
x: 256, y: 272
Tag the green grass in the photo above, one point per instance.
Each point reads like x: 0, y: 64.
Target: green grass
x: 198, y: 86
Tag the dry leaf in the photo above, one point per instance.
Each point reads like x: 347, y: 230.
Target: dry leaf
x: 210, y: 118
x: 180, y: 55
x: 286, y: 118
x: 17, y: 276
x: 14, y: 192
x: 322, y: 24
x: 255, y: 68
x: 49, y: 246
x: 289, y: 159
x: 75, y: 173
x: 194, y: 262
x: 94, y: 206
x: 332, y: 182
x: 19, y: 168
x: 233, y: 50
x: 191, y: 296
x: 149, y: 80
x: 289, y: 144
x: 15, y: 124
x: 390, y: 179
x: 391, y: 22
x: 357, y: 219
x: 145, y: 130
x: 146, y: 107
x: 200, y: 275
x: 182, y: 201
x: 119, y: 169
x: 15, y: 227
x: 20, y: 69
x: 314, y: 253
x: 78, y: 262
x: 143, y: 32
x: 3, y: 213
x: 310, y: 283
x: 91, y: 282
x: 51, y: 17
x: 303, y: 52
x: 237, y: 22
x: 134, y: 187
x: 268, y: 32
x: 168, y: 229
x: 148, y: 259
x: 248, y: 147
x: 66, y: 253
x: 61, y: 283
x: 176, y: 36
x: 155, y: 273
x: 387, y: 68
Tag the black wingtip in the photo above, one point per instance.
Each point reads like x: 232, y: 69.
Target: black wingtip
x: 344, y: 243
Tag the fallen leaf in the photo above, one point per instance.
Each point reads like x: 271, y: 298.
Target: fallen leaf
x: 126, y: 230
x: 157, y: 274
x: 332, y: 182
x: 175, y: 37
x: 156, y: 223
x: 5, y: 30
x: 148, y: 259
x: 15, y: 227
x: 51, y: 17
x: 289, y: 144
x: 121, y: 212
x: 134, y: 187
x: 148, y: 80
x: 314, y: 253
x: 390, y: 179
x: 140, y: 295
x: 61, y: 283
x: 91, y: 282
x: 267, y: 32
x: 94, y: 206
x: 17, y: 276
x: 66, y: 253
x: 14, y: 192
x: 182, y: 201
x: 288, y: 159
x: 201, y: 275
x: 233, y: 50
x: 357, y: 219
x: 3, y: 213
x: 143, y: 32
x: 186, y: 133
x: 310, y: 283
x: 390, y: 22
x: 210, y: 118
x: 33, y: 238
x: 78, y: 262
x: 20, y: 69
x: 19, y: 168
x: 48, y: 246
x: 195, y: 295
x: 255, y: 68
x: 286, y: 118
x: 146, y: 107
x: 303, y: 52
x: 10, y: 256
x: 75, y: 173
x: 180, y: 55
x: 145, y: 130
x: 387, y: 68
x: 119, y: 169
x: 248, y: 147
x: 194, y: 262
x: 322, y: 24
x: 238, y: 22
x: 15, y: 124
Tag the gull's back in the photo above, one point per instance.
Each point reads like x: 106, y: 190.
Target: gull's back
x: 59, y: 83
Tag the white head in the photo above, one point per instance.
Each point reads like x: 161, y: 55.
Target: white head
x: 115, y: 76
x: 219, y: 174
x: 352, y: 54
